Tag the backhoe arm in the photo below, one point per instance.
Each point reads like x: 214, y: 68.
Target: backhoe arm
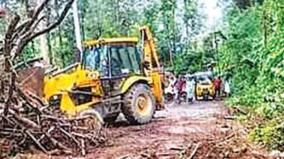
x: 149, y: 49
x: 151, y: 60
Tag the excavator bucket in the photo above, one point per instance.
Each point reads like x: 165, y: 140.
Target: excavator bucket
x: 31, y: 80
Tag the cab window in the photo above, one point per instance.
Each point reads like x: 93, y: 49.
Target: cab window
x: 96, y: 58
x: 124, y: 60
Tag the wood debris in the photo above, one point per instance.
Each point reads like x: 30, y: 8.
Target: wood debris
x: 25, y: 126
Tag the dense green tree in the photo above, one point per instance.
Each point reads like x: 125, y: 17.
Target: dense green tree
x: 253, y: 59
x: 108, y: 18
x: 250, y: 52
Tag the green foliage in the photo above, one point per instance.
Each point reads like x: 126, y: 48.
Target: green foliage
x: 253, y: 58
x: 193, y: 60
x: 173, y: 27
x: 270, y: 134
x: 64, y: 53
x: 252, y: 55
x: 238, y: 54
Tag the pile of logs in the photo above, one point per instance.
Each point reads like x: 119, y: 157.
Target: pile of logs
x: 28, y: 124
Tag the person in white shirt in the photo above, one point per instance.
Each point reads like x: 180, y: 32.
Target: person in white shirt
x: 190, y: 86
x: 227, y: 88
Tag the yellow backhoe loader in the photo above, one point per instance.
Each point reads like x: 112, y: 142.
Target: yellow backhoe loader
x: 115, y: 75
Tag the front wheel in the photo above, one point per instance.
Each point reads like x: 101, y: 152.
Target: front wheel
x: 206, y: 97
x: 139, y: 104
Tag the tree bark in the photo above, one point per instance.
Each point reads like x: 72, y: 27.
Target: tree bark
x: 44, y: 49
x: 19, y: 33
x: 77, y: 26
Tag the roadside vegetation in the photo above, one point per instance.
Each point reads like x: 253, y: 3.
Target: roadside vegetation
x: 252, y: 57
x: 249, y: 51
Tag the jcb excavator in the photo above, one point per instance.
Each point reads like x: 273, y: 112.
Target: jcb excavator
x: 115, y: 75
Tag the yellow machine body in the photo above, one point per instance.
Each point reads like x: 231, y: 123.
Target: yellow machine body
x: 66, y: 87
x: 60, y: 86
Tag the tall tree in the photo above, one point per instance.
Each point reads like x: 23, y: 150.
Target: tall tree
x: 168, y: 11
x: 21, y: 31
x: 44, y: 49
x: 77, y: 26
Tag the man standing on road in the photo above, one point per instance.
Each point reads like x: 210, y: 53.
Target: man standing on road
x: 227, y: 88
x: 217, y: 86
x: 190, y: 87
x: 180, y: 86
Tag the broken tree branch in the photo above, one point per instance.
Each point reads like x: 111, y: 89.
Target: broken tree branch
x: 194, y: 151
x: 55, y: 24
x: 27, y: 120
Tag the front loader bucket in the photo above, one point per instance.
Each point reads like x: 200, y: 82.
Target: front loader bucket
x: 31, y: 80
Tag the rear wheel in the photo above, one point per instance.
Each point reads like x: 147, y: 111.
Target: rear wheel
x: 139, y: 104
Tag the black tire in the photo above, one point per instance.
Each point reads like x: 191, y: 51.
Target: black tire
x: 196, y: 97
x: 131, y: 109
x: 183, y: 97
x: 111, y: 119
x: 169, y: 98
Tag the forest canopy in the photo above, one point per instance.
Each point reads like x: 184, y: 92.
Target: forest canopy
x: 246, y: 44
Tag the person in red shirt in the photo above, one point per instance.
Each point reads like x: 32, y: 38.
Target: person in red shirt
x: 180, y: 86
x: 217, y: 86
x: 2, y: 12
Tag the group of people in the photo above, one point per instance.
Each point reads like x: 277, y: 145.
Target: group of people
x: 222, y: 88
x: 183, y: 88
x: 180, y: 88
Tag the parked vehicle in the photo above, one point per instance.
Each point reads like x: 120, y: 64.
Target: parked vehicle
x: 204, y: 87
x: 115, y: 76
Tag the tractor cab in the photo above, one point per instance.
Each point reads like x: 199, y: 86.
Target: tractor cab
x: 115, y: 59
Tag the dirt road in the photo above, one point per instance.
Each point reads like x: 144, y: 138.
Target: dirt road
x: 172, y: 132
x: 185, y: 131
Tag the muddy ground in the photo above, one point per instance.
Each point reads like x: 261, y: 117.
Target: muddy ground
x: 173, y: 127
x: 197, y: 130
